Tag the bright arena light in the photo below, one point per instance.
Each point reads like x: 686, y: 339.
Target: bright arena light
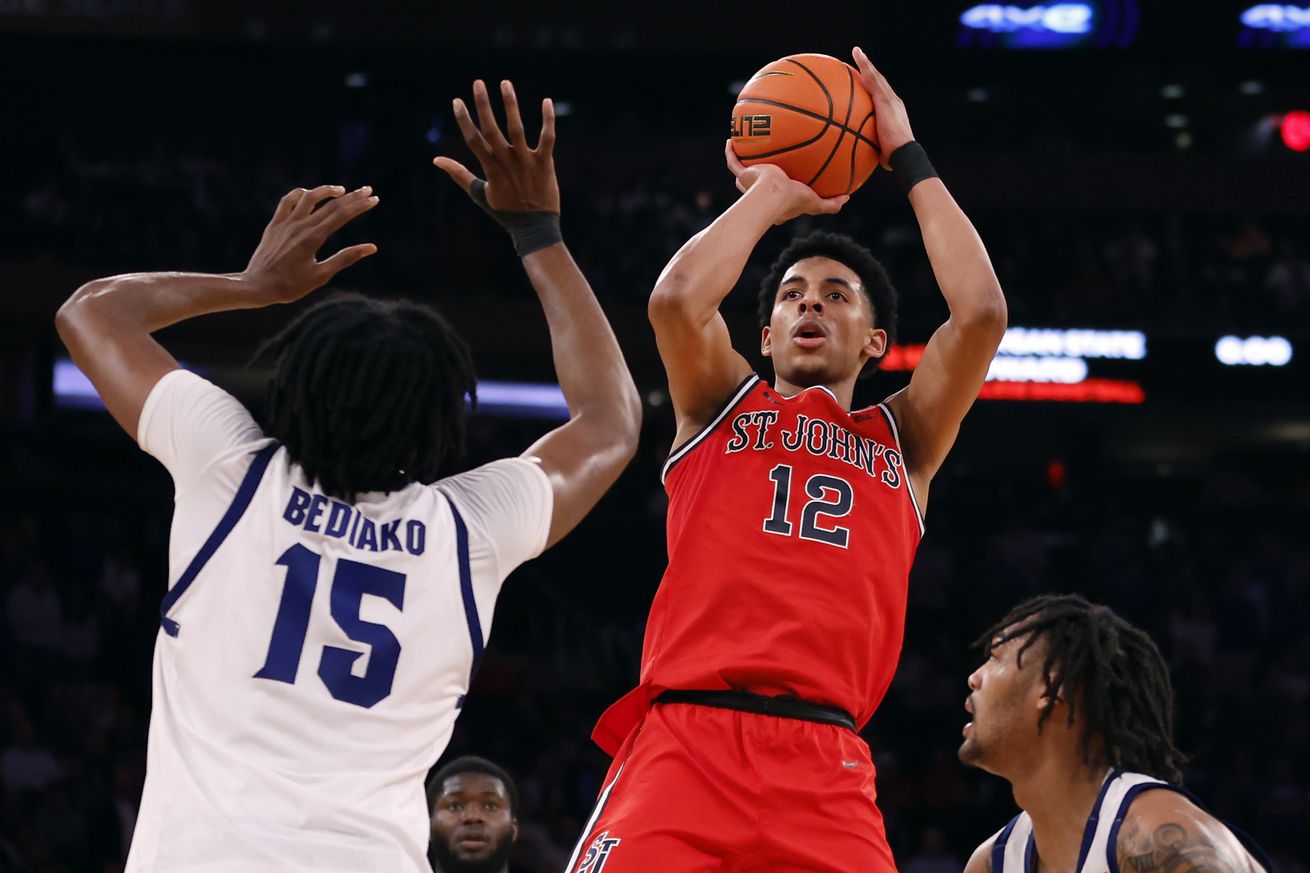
x: 1279, y: 17
x: 1295, y: 128
x: 1074, y: 343
x: 1064, y: 18
x: 1254, y: 351
x: 1034, y: 369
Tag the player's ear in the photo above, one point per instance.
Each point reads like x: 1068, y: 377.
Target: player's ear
x: 875, y: 343
x: 766, y: 342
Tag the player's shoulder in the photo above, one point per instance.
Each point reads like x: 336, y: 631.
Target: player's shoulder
x: 981, y: 859
x: 1165, y: 830
x: 502, y: 473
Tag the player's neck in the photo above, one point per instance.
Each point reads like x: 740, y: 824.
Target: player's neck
x: 1058, y: 794
x: 844, y: 391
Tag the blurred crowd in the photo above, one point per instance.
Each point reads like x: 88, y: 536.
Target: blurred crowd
x: 1213, y: 562
x: 200, y: 204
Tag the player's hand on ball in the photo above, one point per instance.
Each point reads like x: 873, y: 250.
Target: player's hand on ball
x: 793, y: 198
x: 889, y: 110
x: 285, y: 265
x: 520, y: 178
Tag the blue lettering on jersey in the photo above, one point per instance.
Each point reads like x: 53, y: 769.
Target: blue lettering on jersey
x: 338, y: 519
x: 295, y: 511
x: 389, y: 538
x: 416, y: 537
x: 368, y: 536
x: 311, y: 512
x: 316, y: 504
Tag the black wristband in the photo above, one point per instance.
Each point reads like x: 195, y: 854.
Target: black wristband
x: 910, y: 166
x: 531, y: 231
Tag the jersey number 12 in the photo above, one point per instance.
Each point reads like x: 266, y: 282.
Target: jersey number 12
x: 830, y: 496
x: 351, y: 581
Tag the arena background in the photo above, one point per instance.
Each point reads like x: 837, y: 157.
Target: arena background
x: 1140, y: 179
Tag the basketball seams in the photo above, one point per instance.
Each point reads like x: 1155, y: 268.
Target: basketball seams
x: 827, y: 95
x: 800, y: 110
x: 877, y: 155
x: 850, y: 107
x: 828, y: 124
x: 810, y: 151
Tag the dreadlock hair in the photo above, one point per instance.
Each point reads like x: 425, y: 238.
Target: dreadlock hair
x: 874, y: 280
x: 1112, y: 670
x: 368, y: 395
x: 472, y: 764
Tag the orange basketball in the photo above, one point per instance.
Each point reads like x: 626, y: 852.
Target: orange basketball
x: 810, y: 115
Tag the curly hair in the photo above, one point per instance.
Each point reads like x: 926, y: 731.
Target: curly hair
x: 368, y: 395
x: 874, y: 280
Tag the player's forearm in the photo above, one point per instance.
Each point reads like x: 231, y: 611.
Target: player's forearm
x: 150, y: 301
x: 698, y: 278
x: 959, y: 260
x: 588, y: 361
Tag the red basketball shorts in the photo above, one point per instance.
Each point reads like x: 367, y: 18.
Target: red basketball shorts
x: 697, y: 789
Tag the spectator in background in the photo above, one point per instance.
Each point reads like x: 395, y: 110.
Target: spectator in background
x: 25, y: 765
x: 933, y: 855
x: 474, y: 808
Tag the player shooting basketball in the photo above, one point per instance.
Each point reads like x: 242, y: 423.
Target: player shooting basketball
x: 793, y: 521
x: 1074, y: 708
x: 329, y: 597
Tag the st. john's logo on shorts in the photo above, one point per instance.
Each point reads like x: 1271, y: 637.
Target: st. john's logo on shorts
x: 598, y: 853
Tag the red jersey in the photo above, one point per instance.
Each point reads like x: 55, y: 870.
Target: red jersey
x: 792, y: 526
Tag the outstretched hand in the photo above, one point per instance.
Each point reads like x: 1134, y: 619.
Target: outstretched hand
x: 893, y: 123
x: 519, y: 177
x: 285, y: 265
x: 795, y: 198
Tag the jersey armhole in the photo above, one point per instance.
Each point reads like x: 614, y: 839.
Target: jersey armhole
x: 999, y: 843
x: 730, y: 404
x: 887, y: 413
x: 1253, y: 848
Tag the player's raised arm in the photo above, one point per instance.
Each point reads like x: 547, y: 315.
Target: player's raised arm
x: 693, y: 339
x: 954, y: 365
x: 584, y: 456
x: 107, y: 323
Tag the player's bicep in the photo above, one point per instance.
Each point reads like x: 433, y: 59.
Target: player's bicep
x: 580, y: 463
x: 1164, y: 832
x: 702, y: 366
x: 942, y: 388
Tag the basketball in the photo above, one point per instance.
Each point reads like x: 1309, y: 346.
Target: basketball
x: 810, y: 115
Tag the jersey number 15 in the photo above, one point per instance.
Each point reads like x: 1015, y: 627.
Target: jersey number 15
x: 351, y: 581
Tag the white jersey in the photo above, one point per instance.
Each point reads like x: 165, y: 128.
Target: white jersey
x: 313, y: 654
x: 1015, y: 849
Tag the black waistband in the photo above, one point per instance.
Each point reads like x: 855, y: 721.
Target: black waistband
x: 745, y: 701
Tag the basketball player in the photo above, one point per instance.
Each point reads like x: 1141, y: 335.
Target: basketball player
x: 329, y: 596
x: 474, y: 809
x: 1074, y: 708
x: 793, y: 520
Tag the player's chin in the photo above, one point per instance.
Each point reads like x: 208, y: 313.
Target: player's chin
x: 481, y: 853
x: 970, y: 752
x: 807, y: 370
